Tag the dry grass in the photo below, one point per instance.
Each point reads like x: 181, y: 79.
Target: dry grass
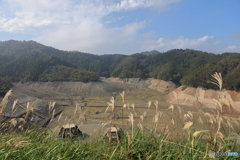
x: 217, y: 80
x: 4, y: 102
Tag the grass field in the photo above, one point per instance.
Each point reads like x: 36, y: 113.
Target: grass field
x: 165, y: 134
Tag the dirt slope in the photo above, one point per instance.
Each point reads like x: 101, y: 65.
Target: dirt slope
x: 70, y: 93
x: 205, y: 98
x: 105, y: 86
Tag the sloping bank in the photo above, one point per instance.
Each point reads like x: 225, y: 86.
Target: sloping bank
x: 105, y: 86
x: 40, y: 94
x: 200, y: 97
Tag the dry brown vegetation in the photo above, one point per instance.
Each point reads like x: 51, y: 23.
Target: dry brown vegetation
x: 175, y: 123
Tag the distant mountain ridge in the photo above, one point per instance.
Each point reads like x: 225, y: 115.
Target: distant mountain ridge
x: 32, y: 61
x: 153, y: 52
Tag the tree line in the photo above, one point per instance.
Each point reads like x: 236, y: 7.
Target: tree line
x: 30, y: 61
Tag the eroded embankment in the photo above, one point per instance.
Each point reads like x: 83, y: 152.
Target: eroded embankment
x: 204, y: 98
x: 103, y: 87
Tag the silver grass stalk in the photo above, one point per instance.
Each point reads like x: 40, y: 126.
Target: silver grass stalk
x: 104, y: 124
x: 53, y: 104
x: 171, y: 107
x: 123, y: 106
x: 156, y: 117
x: 140, y: 126
x: 52, y: 116
x: 187, y: 125
x: 107, y: 109
x: 218, y: 135
x: 207, y: 115
x: 149, y: 104
x: 179, y: 110
x: 200, y: 120
x: 27, y: 111
x: 144, y: 114
x: 60, y: 116
x: 122, y: 95
x: 131, y: 120
x: 196, y: 133
x: 217, y: 80
x: 112, y: 104
x: 185, y: 116
x: 5, y: 101
x: 219, y: 106
x: 190, y: 114
x: 14, y: 104
x: 226, y: 102
x: 156, y: 105
x: 133, y: 106
x: 160, y: 114
x: 49, y: 108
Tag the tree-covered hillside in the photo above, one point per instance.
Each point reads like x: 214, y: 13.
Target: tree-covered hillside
x: 31, y: 61
x: 29, y: 66
x: 5, y: 84
x: 63, y: 73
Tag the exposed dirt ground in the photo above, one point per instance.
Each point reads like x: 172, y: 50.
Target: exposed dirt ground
x: 203, y: 98
x: 95, y: 95
x: 91, y: 101
x: 98, y: 93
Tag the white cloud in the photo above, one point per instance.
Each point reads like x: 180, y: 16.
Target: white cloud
x: 77, y: 24
x: 27, y: 13
x: 92, y: 37
x: 163, y: 44
x: 134, y: 4
x: 233, y: 48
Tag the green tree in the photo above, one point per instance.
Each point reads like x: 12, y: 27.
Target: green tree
x: 5, y: 84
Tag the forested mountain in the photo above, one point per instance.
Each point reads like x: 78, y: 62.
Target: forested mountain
x: 30, y: 65
x: 31, y: 61
x: 5, y: 84
x: 153, y: 52
x: 63, y: 73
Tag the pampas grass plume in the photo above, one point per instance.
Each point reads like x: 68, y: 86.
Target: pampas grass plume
x: 171, y: 107
x: 196, y: 133
x: 187, y: 125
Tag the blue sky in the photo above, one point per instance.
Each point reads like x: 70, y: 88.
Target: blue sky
x: 124, y: 26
